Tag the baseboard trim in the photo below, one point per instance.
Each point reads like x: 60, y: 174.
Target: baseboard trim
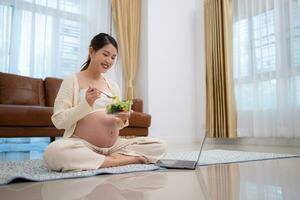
x: 285, y: 142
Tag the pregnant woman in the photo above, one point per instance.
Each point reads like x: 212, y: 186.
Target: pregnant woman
x: 91, y: 138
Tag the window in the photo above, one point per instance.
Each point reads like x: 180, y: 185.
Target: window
x: 257, y: 58
x: 44, y: 35
x: 266, y: 62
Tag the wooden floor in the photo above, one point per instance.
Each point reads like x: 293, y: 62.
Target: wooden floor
x: 266, y: 180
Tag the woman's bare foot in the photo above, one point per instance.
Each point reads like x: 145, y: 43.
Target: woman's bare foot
x: 117, y: 159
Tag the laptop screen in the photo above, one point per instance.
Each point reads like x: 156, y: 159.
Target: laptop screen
x: 201, y: 147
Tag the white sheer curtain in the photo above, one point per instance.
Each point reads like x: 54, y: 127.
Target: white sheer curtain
x: 41, y: 38
x: 266, y: 58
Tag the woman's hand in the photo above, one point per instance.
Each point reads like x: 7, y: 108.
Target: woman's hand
x: 124, y: 116
x: 116, y: 121
x: 91, y: 95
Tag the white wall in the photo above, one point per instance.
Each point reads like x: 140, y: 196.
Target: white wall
x: 171, y: 74
x: 200, y: 69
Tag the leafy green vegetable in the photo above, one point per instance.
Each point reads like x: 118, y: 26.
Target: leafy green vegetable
x: 118, y: 106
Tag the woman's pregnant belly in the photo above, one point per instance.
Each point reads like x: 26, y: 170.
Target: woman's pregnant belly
x: 94, y: 128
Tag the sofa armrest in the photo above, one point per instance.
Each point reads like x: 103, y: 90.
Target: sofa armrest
x: 139, y: 119
x: 137, y: 105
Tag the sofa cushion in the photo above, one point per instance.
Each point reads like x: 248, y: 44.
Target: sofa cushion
x: 21, y: 90
x: 19, y: 115
x: 52, y: 86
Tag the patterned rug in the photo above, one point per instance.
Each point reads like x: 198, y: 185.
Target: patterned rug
x: 35, y: 170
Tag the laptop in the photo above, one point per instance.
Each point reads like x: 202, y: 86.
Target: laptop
x: 181, y: 164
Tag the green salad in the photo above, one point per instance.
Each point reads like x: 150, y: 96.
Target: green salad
x: 118, y: 106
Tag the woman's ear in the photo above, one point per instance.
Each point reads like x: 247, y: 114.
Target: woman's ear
x: 91, y: 51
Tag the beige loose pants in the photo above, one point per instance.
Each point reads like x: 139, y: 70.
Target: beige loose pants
x: 75, y: 154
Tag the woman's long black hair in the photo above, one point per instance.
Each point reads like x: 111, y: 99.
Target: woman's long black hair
x: 97, y: 43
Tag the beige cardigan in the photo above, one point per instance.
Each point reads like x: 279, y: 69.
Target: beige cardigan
x: 67, y: 111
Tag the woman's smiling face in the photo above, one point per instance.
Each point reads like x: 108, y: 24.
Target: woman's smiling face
x: 103, y: 59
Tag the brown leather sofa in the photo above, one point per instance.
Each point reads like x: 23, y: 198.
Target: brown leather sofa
x: 26, y: 106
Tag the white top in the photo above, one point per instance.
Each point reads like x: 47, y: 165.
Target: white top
x: 67, y: 109
x: 100, y: 103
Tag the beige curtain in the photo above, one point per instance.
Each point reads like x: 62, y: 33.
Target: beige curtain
x: 127, y: 17
x: 220, y: 103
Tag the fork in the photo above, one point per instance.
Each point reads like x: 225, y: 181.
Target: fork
x: 109, y: 96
